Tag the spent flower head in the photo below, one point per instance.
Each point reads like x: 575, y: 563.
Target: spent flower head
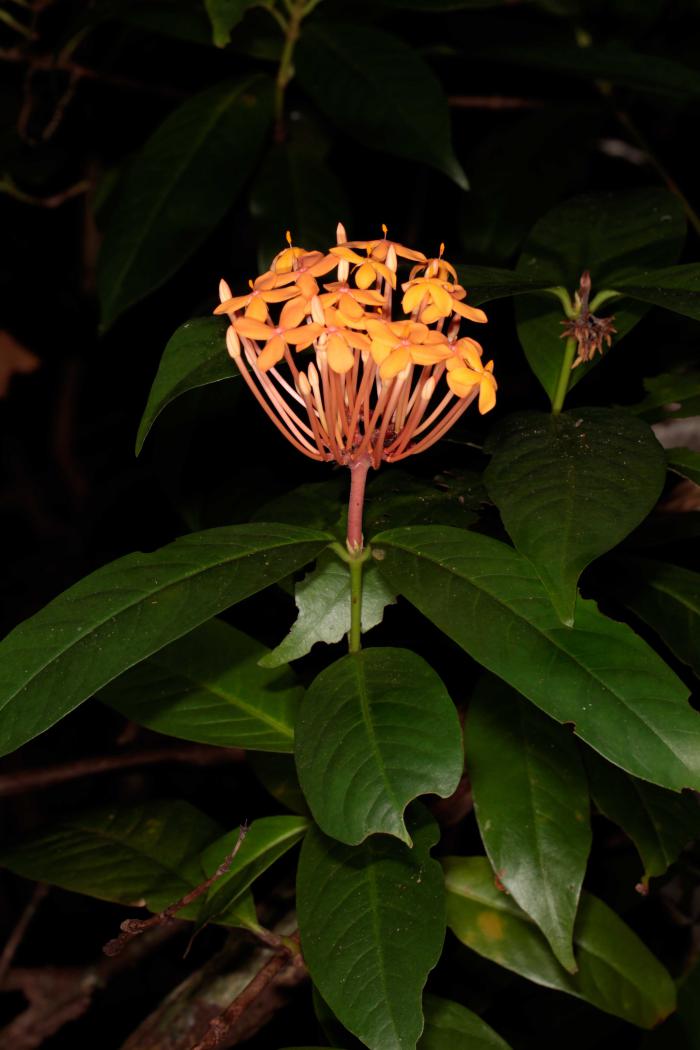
x: 370, y: 385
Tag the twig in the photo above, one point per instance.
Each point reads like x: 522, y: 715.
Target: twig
x: 57, y: 995
x: 198, y: 755
x: 50, y: 63
x: 15, y: 938
x: 8, y: 187
x: 220, y: 1027
x: 135, y: 927
x: 494, y: 102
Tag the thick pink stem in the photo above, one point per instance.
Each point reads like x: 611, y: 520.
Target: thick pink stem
x: 358, y: 480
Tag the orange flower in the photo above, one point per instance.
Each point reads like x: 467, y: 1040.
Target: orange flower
x: 262, y: 292
x: 465, y: 372
x: 373, y: 387
x: 278, y: 338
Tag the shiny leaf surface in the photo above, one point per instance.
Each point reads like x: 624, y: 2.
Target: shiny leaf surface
x: 375, y: 730
x: 621, y: 697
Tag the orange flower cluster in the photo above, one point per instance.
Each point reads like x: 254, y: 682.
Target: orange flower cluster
x: 369, y: 389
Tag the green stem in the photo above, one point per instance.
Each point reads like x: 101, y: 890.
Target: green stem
x: 600, y: 298
x: 564, y: 376
x: 564, y: 298
x: 285, y: 72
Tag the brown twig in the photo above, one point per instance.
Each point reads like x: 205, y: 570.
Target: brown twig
x: 51, y: 63
x: 57, y: 995
x: 221, y: 1027
x: 33, y: 779
x: 15, y: 938
x: 135, y: 927
x: 494, y: 102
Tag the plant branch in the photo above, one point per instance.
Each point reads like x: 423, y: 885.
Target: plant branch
x: 33, y: 779
x: 221, y: 1027
x: 285, y: 72
x: 135, y: 927
x: 564, y: 375
x: 15, y: 938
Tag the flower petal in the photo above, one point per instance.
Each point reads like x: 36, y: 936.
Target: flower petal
x: 293, y: 312
x: 470, y: 312
x: 340, y: 356
x: 303, y: 336
x: 253, y: 329
x: 395, y: 363
x: 272, y: 354
x: 365, y: 275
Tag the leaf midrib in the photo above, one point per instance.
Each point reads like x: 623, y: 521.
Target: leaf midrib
x: 130, y: 605
x: 546, y: 635
x: 176, y: 175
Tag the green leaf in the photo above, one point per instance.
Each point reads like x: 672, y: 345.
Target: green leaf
x: 531, y: 802
x: 174, y: 192
x: 450, y: 1026
x: 485, y: 283
x: 433, y: 6
x: 323, y: 601
x: 267, y: 839
x: 676, y: 288
x: 666, y: 597
x: 613, y: 235
x: 194, y: 356
x: 684, y: 461
x: 396, y: 498
x: 281, y: 199
x: 148, y: 855
x: 372, y: 922
x: 378, y: 89
x: 571, y: 487
x: 672, y: 394
x: 130, y: 609
x: 645, y: 73
x: 208, y: 687
x: 622, y: 698
x: 278, y: 775
x: 224, y: 16
x: 617, y: 973
x: 523, y: 167
x: 375, y: 730
x: 659, y: 822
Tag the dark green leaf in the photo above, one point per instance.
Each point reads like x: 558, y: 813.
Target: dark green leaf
x: 484, y: 283
x: 130, y: 609
x: 659, y: 822
x: 282, y: 197
x: 571, y: 487
x: 209, y: 687
x: 147, y: 855
x: 617, y: 973
x: 174, y: 192
x: 639, y: 72
x: 522, y: 168
x: 378, y: 89
x: 315, y: 504
x: 531, y: 801
x: 666, y: 597
x: 672, y: 394
x: 622, y: 698
x: 194, y: 356
x: 614, y: 236
x: 323, y: 601
x: 375, y: 730
x: 278, y: 775
x: 372, y: 922
x: 224, y: 16
x: 395, y: 498
x: 267, y: 839
x: 684, y: 461
x: 450, y: 1026
x: 676, y: 288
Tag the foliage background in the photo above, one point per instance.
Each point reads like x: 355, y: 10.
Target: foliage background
x: 545, y: 100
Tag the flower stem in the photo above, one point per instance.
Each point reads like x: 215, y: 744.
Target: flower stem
x: 297, y: 10
x: 564, y: 376
x: 357, y: 556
